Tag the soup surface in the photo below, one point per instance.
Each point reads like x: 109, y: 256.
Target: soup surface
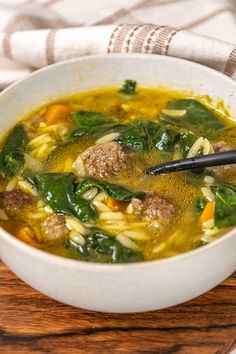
x: 73, y: 179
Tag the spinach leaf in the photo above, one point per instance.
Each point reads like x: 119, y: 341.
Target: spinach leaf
x: 135, y: 136
x: 12, y: 154
x: 186, y: 142
x: 113, y: 190
x: 129, y: 87
x: 58, y: 190
x: 103, y: 247
x: 94, y: 124
x: 90, y: 119
x: 199, y: 204
x: 225, y: 207
x: 197, y: 116
x: 163, y: 138
x: 144, y: 135
x: 97, y: 131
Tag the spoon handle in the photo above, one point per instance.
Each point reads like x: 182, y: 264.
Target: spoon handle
x: 218, y: 159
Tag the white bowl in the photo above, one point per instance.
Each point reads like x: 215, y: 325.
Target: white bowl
x: 120, y: 288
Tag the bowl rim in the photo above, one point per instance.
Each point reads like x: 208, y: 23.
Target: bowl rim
x: 93, y: 266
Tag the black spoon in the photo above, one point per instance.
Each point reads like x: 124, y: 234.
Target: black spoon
x: 218, y: 159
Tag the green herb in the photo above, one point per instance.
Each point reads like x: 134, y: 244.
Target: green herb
x: 141, y: 135
x: 225, y: 207
x: 163, y: 138
x: 145, y: 135
x: 135, y: 136
x: 97, y: 130
x: 94, y: 124
x: 12, y: 154
x: 186, y: 142
x: 115, y: 191
x: 129, y: 87
x: 199, y: 204
x: 197, y: 116
x: 58, y: 190
x: 103, y: 247
x: 90, y: 119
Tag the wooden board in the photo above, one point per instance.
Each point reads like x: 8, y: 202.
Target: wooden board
x: 32, y: 323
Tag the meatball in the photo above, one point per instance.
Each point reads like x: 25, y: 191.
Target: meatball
x: 154, y: 207
x: 105, y: 160
x: 222, y: 146
x: 54, y: 227
x: 12, y: 202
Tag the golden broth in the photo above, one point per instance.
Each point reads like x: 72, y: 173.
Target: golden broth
x: 181, y: 234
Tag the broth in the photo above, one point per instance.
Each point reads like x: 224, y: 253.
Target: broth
x: 59, y: 196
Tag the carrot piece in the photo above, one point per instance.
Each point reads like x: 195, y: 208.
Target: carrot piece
x: 115, y: 205
x: 208, y: 212
x: 26, y: 234
x: 55, y: 113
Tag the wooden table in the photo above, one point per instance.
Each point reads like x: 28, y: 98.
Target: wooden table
x: 32, y: 323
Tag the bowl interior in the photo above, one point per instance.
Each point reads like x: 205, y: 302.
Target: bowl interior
x: 89, y: 73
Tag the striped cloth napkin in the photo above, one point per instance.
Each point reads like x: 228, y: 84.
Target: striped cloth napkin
x: 35, y: 33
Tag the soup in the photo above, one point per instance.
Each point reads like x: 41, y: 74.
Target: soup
x: 73, y: 180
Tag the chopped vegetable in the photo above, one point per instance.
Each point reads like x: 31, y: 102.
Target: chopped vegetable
x: 97, y: 131
x: 163, y: 138
x: 139, y: 135
x: 129, y: 87
x: 225, y: 207
x: 90, y: 119
x: 116, y: 205
x: 113, y: 190
x: 58, y: 191
x: 12, y: 154
x: 94, y: 124
x: 26, y: 234
x: 101, y: 246
x: 200, y: 204
x: 135, y: 136
x: 144, y: 135
x: 208, y: 212
x: 186, y: 142
x: 197, y: 116
x: 56, y: 112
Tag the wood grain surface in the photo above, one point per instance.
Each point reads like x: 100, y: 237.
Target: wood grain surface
x: 33, y: 323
